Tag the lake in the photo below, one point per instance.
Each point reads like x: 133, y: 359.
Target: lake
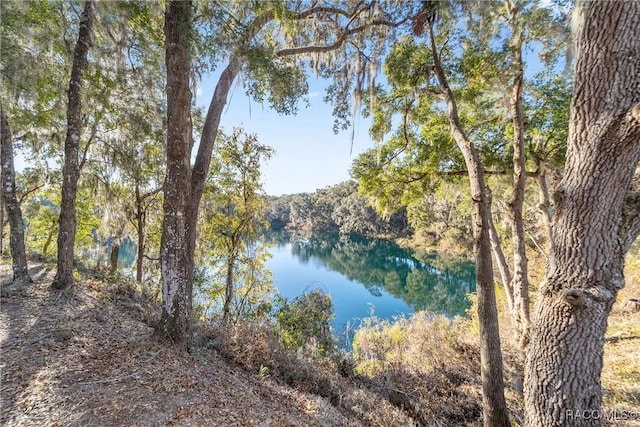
x: 365, y: 276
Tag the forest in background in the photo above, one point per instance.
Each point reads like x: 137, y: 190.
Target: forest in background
x: 473, y: 138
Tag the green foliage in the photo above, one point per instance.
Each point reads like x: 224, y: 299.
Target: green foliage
x: 337, y: 209
x: 425, y: 283
x: 41, y: 212
x: 305, y: 321
x: 234, y: 208
x: 281, y: 84
x: 416, y: 157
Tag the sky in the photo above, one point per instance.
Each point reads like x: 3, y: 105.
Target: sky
x: 308, y: 154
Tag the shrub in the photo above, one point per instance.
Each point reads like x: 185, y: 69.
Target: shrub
x: 304, y: 322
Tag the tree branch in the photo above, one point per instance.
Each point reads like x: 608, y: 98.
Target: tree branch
x: 24, y: 195
x: 340, y: 40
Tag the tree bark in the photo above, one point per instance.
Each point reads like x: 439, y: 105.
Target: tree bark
x: 1, y: 210
x: 520, y: 279
x: 500, y: 259
x: 595, y: 219
x: 10, y: 201
x: 494, y: 404
x: 544, y: 200
x: 176, y: 251
x: 208, y: 139
x: 198, y: 174
x: 228, y: 292
x: 71, y: 168
x: 140, y: 217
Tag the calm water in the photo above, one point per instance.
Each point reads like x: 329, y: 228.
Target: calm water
x: 364, y: 276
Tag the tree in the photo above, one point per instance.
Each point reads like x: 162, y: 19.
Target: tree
x: 274, y: 75
x: 494, y: 404
x: 176, y: 247
x: 10, y: 201
x: 596, y: 219
x: 520, y: 281
x: 234, y: 214
x: 129, y: 162
x: 29, y: 94
x: 419, y: 156
x: 71, y: 170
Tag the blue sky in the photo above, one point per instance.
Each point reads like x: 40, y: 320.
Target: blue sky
x: 308, y: 154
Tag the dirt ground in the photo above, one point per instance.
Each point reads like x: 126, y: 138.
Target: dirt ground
x: 89, y: 359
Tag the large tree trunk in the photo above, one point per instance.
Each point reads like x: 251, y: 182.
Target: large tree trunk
x: 597, y: 217
x: 9, y: 199
x: 520, y: 279
x: 176, y: 252
x: 494, y: 404
x: 71, y: 168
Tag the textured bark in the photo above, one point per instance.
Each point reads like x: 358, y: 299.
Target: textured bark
x: 71, y: 168
x: 176, y: 253
x: 10, y: 201
x: 594, y: 210
x: 494, y: 404
x: 520, y: 279
x: 198, y: 174
x: 208, y: 139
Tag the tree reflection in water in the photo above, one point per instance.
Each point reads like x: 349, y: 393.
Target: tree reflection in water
x: 434, y: 284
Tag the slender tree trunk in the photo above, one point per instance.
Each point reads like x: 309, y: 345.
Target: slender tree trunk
x: 71, y: 168
x: 140, y: 253
x: 520, y: 280
x: 114, y: 255
x: 115, y: 249
x: 176, y: 252
x: 596, y: 218
x: 140, y: 226
x: 1, y: 211
x: 500, y: 259
x: 47, y: 243
x: 9, y: 199
x: 207, y: 141
x: 494, y: 404
x: 544, y: 200
x: 228, y: 291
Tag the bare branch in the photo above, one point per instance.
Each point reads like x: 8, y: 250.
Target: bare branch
x: 339, y: 41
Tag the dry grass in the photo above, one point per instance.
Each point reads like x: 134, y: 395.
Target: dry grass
x: 255, y: 347
x: 425, y: 365
x: 89, y: 358
x: 621, y: 371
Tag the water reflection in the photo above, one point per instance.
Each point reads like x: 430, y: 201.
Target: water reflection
x: 381, y: 266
